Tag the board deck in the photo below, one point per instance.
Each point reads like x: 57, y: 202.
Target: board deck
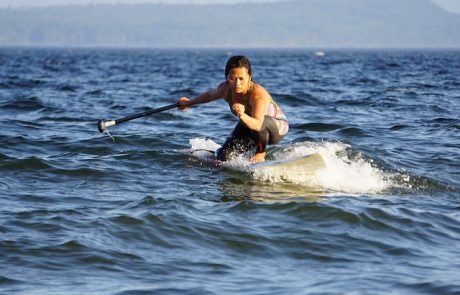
x: 312, y: 160
x: 305, y: 165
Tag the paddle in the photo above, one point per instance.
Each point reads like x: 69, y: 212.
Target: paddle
x: 103, y: 125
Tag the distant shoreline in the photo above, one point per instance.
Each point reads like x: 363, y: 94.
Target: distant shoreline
x: 294, y: 49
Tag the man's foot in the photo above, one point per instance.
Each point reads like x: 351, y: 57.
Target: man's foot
x: 258, y: 158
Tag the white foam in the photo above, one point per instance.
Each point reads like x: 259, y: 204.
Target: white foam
x: 342, y: 173
x: 203, y: 144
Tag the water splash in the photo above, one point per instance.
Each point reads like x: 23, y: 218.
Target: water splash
x: 110, y: 135
x: 346, y: 171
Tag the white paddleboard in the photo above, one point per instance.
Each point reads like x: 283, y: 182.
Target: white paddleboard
x: 304, y: 165
x: 295, y: 169
x: 314, y: 162
x: 206, y: 156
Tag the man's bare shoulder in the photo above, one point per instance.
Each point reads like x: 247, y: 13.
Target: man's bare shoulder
x: 260, y: 92
x: 222, y: 90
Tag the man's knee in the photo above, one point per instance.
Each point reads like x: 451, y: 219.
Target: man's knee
x: 222, y: 155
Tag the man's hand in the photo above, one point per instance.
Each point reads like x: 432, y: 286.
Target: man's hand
x: 183, y: 103
x: 238, y: 108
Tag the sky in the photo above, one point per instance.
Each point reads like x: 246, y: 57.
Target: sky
x: 449, y: 5
x: 18, y: 3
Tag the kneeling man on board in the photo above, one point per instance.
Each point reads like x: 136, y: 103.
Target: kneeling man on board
x: 261, y: 120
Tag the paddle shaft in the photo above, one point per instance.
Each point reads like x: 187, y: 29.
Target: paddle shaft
x: 102, y: 125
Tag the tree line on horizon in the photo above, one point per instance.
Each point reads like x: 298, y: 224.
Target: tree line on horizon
x: 308, y: 23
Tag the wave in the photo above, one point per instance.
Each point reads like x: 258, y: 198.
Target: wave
x: 67, y: 88
x: 27, y: 164
x: 55, y: 168
x: 298, y: 99
x: 318, y: 127
x: 25, y: 103
x: 16, y: 82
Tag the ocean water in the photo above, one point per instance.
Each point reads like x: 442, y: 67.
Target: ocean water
x: 84, y: 213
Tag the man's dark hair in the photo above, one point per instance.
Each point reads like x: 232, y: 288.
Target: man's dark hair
x: 237, y: 61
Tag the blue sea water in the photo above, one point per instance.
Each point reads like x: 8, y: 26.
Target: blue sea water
x: 82, y: 213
